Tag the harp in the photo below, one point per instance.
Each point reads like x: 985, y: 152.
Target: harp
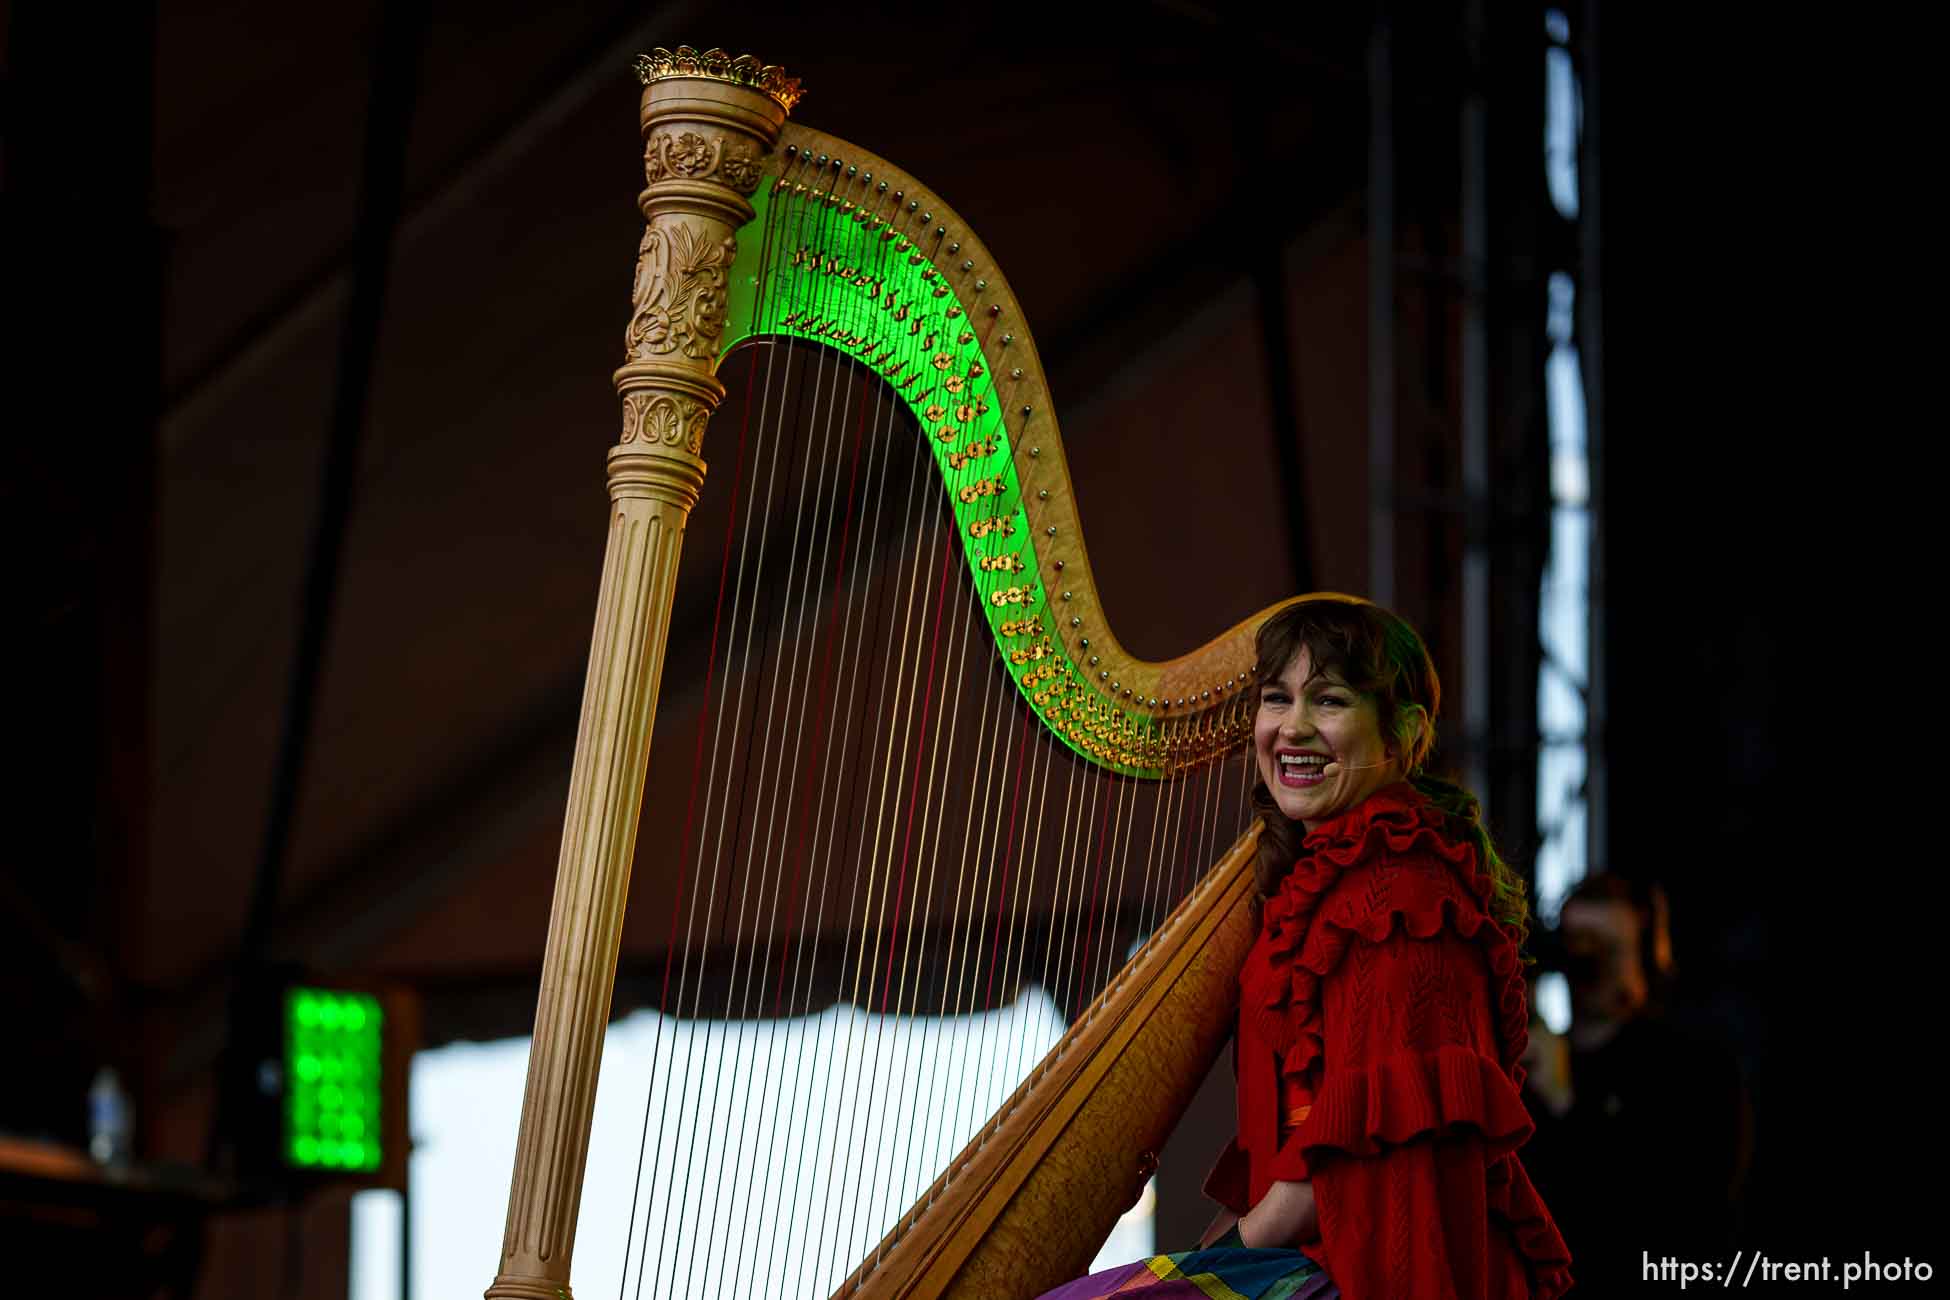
x: 798, y: 244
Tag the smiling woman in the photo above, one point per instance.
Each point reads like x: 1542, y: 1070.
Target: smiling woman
x: 1382, y: 1009
x: 1318, y: 742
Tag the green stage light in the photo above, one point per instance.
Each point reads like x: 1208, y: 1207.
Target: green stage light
x: 332, y: 1041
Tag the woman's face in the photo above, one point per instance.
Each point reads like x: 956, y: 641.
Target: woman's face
x: 1305, y: 724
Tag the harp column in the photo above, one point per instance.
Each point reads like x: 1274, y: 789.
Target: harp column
x: 708, y: 121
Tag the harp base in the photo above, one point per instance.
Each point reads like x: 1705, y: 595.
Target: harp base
x: 527, y: 1288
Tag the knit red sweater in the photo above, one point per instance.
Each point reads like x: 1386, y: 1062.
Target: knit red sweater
x: 1381, y: 1020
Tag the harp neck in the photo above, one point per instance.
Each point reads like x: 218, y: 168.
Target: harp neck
x: 860, y: 256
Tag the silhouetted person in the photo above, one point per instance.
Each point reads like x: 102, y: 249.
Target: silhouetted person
x: 1642, y: 1127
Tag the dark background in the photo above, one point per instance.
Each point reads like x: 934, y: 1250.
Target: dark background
x: 215, y: 277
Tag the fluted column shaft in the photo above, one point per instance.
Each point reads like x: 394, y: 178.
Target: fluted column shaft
x: 707, y: 123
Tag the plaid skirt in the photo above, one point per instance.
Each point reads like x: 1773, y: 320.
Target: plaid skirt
x: 1223, y: 1271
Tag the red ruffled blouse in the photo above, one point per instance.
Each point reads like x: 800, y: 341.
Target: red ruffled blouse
x: 1381, y: 1021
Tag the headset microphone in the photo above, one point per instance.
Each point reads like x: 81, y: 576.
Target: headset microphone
x: 1336, y: 768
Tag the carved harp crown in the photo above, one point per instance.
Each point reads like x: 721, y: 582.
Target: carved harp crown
x: 780, y: 237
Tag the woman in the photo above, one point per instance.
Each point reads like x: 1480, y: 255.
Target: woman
x: 1382, y: 1010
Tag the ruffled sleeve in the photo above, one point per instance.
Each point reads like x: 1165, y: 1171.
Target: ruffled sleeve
x: 1411, y: 1142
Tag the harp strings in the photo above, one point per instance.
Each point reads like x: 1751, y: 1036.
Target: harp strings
x: 1003, y: 723
x: 660, y: 1087
x: 656, y: 1087
x: 842, y: 729
x: 903, y: 1188
x: 728, y: 821
x: 830, y: 789
x: 896, y: 1187
x: 769, y: 863
x: 740, y: 828
x: 836, y: 1238
x: 827, y: 785
x: 833, y: 811
x: 860, y: 1230
x: 879, y: 917
x: 769, y: 411
x: 911, y: 1178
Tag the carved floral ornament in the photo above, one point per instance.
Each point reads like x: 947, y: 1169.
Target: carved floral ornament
x: 683, y: 273
x: 665, y: 418
x: 701, y: 158
x: 720, y: 66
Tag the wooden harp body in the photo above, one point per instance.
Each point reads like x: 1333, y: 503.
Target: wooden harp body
x: 763, y: 232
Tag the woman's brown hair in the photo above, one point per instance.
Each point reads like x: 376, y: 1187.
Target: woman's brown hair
x: 1378, y: 654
